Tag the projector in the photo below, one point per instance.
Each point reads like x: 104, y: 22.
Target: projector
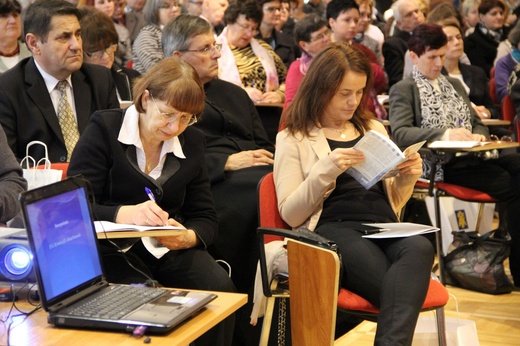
x: 16, y: 262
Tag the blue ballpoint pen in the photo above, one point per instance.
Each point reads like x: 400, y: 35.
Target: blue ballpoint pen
x: 150, y: 194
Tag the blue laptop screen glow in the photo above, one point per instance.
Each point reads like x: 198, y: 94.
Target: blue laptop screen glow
x: 64, y: 241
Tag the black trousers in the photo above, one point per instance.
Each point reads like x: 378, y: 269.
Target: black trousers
x: 393, y: 274
x: 189, y: 269
x: 499, y: 178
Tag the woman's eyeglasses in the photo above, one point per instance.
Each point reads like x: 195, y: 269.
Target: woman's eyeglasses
x: 98, y: 54
x: 248, y: 29
x: 215, y: 47
x: 321, y: 36
x: 169, y: 118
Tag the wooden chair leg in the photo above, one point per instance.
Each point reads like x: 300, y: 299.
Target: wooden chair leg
x: 268, y: 319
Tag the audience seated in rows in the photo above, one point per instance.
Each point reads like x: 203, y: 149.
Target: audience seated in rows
x: 29, y: 94
x: 430, y: 106
x: 247, y: 62
x: 147, y: 46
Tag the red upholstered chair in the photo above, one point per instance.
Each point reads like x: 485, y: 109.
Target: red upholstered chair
x: 508, y: 109
x: 493, y: 91
x: 272, y: 227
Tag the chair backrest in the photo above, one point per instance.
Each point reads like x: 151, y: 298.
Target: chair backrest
x: 508, y: 109
x: 314, y: 293
x: 62, y: 166
x: 268, y: 213
x: 493, y: 91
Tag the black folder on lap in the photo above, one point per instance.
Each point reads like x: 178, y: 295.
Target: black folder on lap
x: 71, y: 283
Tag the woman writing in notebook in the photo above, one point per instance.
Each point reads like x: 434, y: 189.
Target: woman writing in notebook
x: 326, y: 118
x: 149, y: 151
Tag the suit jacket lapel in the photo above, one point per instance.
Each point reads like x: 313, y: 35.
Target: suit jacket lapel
x: 37, y: 91
x: 319, y: 142
x: 82, y: 99
x: 171, y: 166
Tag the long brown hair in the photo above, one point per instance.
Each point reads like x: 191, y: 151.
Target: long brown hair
x: 321, y: 83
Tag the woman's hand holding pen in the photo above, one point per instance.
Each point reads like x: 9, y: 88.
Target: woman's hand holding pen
x: 460, y: 134
x: 345, y: 158
x: 143, y: 214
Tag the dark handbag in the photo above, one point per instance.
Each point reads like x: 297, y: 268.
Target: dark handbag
x: 477, y: 262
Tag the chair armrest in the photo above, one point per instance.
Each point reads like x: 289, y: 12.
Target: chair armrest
x: 303, y: 235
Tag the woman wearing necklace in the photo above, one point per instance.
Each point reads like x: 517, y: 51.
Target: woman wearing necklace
x: 151, y: 146
x: 12, y: 50
x: 314, y: 189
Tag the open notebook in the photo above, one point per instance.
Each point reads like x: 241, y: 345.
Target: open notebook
x: 71, y: 283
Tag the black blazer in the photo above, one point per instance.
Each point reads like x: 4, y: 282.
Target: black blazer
x: 182, y: 190
x: 394, y: 49
x: 481, y: 49
x: 231, y: 124
x: 285, y: 46
x: 27, y: 113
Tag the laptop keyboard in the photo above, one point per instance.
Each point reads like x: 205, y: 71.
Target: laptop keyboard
x: 116, y: 302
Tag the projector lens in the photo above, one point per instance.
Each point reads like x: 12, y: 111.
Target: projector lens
x: 16, y: 261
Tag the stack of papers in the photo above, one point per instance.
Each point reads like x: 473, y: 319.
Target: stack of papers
x: 120, y: 230
x: 399, y: 229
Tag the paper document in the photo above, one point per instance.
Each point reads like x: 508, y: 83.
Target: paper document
x: 455, y: 144
x: 399, y: 229
x: 381, y: 157
x: 131, y: 231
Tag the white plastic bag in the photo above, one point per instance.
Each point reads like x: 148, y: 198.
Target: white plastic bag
x: 37, y: 177
x: 459, y: 332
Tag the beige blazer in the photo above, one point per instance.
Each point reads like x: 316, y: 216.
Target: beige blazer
x: 305, y: 176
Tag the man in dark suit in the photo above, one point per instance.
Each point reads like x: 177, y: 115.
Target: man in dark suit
x: 238, y: 155
x: 407, y: 16
x: 29, y: 96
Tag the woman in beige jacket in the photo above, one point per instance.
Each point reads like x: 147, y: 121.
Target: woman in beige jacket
x: 326, y: 118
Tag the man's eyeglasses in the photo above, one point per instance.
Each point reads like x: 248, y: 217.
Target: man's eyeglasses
x: 98, y: 54
x: 215, y: 47
x: 321, y: 36
x: 172, y: 117
x: 248, y: 29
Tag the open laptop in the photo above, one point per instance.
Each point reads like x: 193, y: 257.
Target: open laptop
x: 70, y: 278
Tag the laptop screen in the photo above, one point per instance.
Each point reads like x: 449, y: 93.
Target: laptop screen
x: 61, y: 228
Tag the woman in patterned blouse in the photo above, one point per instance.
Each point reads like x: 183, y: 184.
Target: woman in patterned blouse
x: 249, y: 63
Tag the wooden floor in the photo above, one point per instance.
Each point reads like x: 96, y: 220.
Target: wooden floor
x: 497, y: 318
